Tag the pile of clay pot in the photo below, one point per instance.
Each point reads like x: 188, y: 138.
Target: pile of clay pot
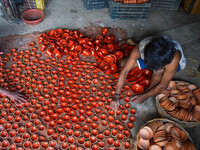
x: 64, y: 42
x: 181, y: 101
x: 158, y: 135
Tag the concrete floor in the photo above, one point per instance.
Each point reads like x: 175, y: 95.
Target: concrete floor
x: 176, y: 24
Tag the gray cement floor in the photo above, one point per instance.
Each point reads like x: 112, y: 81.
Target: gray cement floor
x: 176, y: 24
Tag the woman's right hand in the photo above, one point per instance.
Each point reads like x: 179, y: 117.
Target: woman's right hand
x: 17, y: 97
x: 114, y: 104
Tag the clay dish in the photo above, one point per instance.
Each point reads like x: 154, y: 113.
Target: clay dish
x: 171, y: 107
x: 150, y: 131
x: 161, y: 128
x: 196, y: 93
x: 168, y: 105
x: 181, y: 85
x: 168, y: 127
x: 174, y: 100
x: 162, y: 143
x: 184, y: 136
x: 193, y: 100
x: 175, y: 92
x: 181, y: 97
x: 143, y: 144
x: 190, y: 117
x: 160, y: 96
x: 185, y: 105
x: 188, y: 146
x: 192, y: 87
x: 166, y: 92
x: 176, y: 133
x: 181, y: 114
x: 158, y: 124
x: 174, y: 111
x: 176, y: 143
x: 144, y: 134
x: 186, y: 91
x: 172, y: 85
x: 155, y: 147
x: 160, y: 134
x: 159, y: 139
x: 197, y: 108
x: 185, y: 118
x: 154, y: 125
x: 196, y: 116
x: 170, y: 147
x: 169, y: 137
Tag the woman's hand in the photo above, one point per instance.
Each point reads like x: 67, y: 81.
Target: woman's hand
x: 17, y: 97
x: 114, y: 104
x: 138, y: 99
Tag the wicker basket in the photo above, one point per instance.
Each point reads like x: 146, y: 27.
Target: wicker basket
x: 164, y: 114
x: 164, y: 120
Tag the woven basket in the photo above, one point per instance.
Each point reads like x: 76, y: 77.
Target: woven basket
x: 164, y: 114
x: 164, y: 120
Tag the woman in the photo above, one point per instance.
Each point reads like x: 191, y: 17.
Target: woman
x: 160, y: 54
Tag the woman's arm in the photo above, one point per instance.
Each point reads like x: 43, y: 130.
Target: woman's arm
x: 167, y: 76
x: 127, y: 67
x: 16, y: 96
x: 155, y: 79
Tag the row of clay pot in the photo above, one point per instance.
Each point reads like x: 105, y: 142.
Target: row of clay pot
x: 181, y: 101
x: 158, y: 135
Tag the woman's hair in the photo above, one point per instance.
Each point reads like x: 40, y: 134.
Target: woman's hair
x: 158, y: 53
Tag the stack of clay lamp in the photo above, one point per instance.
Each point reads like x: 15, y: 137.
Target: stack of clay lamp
x: 68, y: 104
x: 158, y: 135
x: 181, y: 101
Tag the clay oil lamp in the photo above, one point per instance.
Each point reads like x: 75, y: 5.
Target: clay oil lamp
x: 12, y: 133
x: 144, y: 134
x: 36, y: 145
x: 27, y: 144
x: 53, y: 143
x: 18, y: 140
x: 5, y: 144
x: 4, y: 134
x: 143, y: 144
x: 106, y: 133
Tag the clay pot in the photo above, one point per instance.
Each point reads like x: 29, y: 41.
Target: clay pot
x: 143, y: 144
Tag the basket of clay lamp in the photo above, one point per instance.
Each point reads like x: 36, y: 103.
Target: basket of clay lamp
x: 159, y: 134
x: 180, y: 103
